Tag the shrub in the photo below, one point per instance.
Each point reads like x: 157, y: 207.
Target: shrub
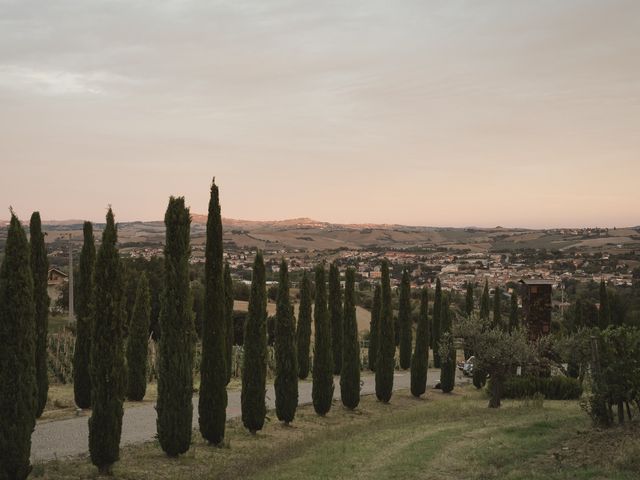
x: 553, y: 388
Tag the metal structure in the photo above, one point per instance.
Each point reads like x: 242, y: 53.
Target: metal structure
x: 536, y: 306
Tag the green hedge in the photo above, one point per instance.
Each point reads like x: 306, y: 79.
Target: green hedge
x: 553, y: 388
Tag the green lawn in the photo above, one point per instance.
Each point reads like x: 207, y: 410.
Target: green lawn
x: 443, y: 437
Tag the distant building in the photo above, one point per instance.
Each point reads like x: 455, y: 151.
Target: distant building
x: 536, y: 306
x: 55, y: 280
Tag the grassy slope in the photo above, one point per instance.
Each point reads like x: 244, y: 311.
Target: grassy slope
x: 444, y: 437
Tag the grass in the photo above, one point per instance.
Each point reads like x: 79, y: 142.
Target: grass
x: 442, y: 437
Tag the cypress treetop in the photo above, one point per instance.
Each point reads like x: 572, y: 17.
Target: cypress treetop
x: 485, y: 301
x: 514, y: 322
x: 374, y: 328
x: 40, y: 270
x: 350, y: 374
x: 385, y: 360
x: 254, y: 369
x: 604, y: 312
x: 286, y: 381
x: 84, y: 320
x: 448, y: 370
x: 212, y: 404
x: 303, y: 332
x: 18, y: 388
x: 138, y: 341
x: 322, y: 388
x: 497, y: 308
x: 107, y: 356
x: 175, y: 376
x: 335, y: 310
x: 228, y: 314
x: 468, y: 300
x: 404, y: 317
x: 420, y: 358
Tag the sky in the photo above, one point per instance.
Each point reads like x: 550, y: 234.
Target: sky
x: 443, y: 113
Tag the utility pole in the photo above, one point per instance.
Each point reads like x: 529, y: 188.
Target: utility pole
x: 72, y: 315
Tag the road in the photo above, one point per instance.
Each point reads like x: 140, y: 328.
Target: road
x: 65, y: 438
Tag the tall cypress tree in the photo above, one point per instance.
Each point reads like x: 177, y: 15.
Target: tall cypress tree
x: 303, y: 331
x: 448, y: 370
x: 374, y: 329
x: 175, y: 370
x: 404, y: 317
x: 254, y: 368
x: 228, y: 315
x: 335, y: 306
x: 286, y: 381
x: 84, y: 320
x: 437, y: 327
x: 40, y: 271
x: 107, y: 356
x: 420, y: 358
x: 138, y: 341
x: 485, y: 302
x: 322, y: 388
x: 497, y: 308
x: 212, y: 404
x: 385, y: 361
x: 18, y: 387
x: 604, y: 312
x: 350, y: 374
x: 468, y: 299
x: 514, y: 322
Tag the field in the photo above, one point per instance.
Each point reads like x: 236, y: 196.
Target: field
x: 442, y: 437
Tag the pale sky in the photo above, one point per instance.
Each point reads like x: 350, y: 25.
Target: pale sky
x: 450, y: 113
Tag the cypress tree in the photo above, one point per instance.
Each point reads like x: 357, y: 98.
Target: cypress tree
x: 448, y: 371
x: 404, y: 317
x: 468, y: 300
x: 514, y: 322
x: 18, y: 387
x: 420, y: 358
x: 335, y: 306
x: 322, y: 388
x: 497, y: 308
x: 604, y: 313
x: 374, y: 329
x: 212, y: 404
x: 484, y: 302
x: 385, y: 361
x: 437, y: 327
x: 40, y: 271
x: 350, y: 374
x: 286, y: 381
x: 254, y: 368
x: 107, y: 356
x: 175, y: 369
x: 228, y: 315
x: 84, y: 320
x: 138, y: 341
x: 303, y: 332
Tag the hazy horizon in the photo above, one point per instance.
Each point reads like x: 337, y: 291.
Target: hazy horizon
x: 461, y: 113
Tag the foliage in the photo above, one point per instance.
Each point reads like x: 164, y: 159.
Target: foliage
x: 374, y: 328
x: 514, y: 320
x: 447, y: 351
x: 322, y: 388
x: 350, y: 374
x: 18, y: 387
x: 604, y: 312
x: 286, y: 381
x: 40, y: 270
x: 436, y: 331
x: 557, y: 387
x: 228, y: 316
x: 335, y: 312
x: 404, y: 317
x: 175, y: 379
x: 254, y: 368
x: 468, y: 299
x: 107, y: 356
x: 420, y: 358
x: 303, y: 331
x: 385, y: 360
x: 497, y: 308
x: 212, y: 404
x: 138, y: 342
x: 485, y: 302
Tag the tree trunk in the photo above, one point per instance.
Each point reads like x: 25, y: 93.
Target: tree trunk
x: 495, y: 392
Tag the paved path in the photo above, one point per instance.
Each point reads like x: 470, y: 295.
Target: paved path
x: 64, y: 438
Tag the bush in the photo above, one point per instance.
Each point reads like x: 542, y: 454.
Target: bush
x: 553, y: 388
